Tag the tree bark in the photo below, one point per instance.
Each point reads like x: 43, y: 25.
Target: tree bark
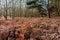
x: 48, y: 10
x: 57, y: 10
x: 6, y: 10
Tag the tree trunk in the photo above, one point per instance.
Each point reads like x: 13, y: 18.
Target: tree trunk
x: 20, y: 8
x: 57, y: 7
x: 49, y: 13
x: 6, y: 10
x: 57, y: 10
x: 39, y: 9
x: 48, y: 10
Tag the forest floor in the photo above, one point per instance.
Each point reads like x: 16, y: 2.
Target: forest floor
x: 21, y: 28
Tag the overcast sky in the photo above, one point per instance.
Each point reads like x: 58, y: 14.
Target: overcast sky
x: 23, y: 2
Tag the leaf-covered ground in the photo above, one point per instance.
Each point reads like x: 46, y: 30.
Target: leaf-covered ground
x: 21, y: 28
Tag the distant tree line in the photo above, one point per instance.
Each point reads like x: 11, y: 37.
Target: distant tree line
x: 51, y: 6
x: 30, y: 8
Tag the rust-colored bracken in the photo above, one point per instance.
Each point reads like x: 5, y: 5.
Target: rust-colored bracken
x: 21, y: 28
